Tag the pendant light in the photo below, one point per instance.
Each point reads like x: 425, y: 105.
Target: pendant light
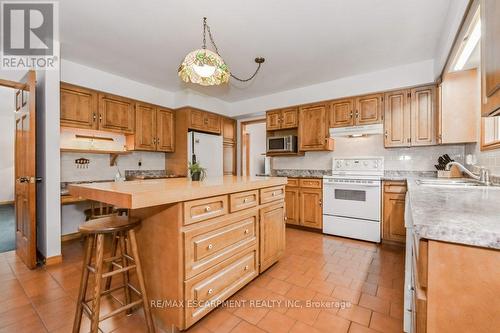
x: 207, y: 68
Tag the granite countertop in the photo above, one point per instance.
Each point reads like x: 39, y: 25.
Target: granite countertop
x: 468, y: 216
x: 297, y: 173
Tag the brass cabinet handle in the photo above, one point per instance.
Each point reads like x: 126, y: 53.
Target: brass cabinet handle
x: 247, y: 231
x: 207, y: 209
x: 245, y: 200
x: 210, y: 291
x: 386, y: 134
x: 273, y: 194
x: 210, y: 246
x: 94, y: 117
x: 158, y: 140
x: 246, y: 268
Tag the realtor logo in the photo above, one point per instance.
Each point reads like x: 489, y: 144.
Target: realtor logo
x: 29, y: 35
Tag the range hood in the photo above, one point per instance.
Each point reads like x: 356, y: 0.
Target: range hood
x: 356, y: 131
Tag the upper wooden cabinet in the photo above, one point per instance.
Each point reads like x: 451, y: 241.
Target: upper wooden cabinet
x: 282, y: 119
x: 369, y: 109
x: 229, y: 130
x: 78, y: 107
x: 341, y: 113
x: 410, y: 117
x: 490, y: 56
x: 154, y: 129
x: 313, y: 128
x: 116, y: 114
x: 204, y: 121
x: 229, y: 146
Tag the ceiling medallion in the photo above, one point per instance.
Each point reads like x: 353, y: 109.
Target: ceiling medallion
x: 207, y: 68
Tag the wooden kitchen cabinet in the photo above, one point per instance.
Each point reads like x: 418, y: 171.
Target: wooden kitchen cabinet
x: 78, y: 107
x: 369, y: 109
x: 304, y: 202
x: 272, y: 234
x: 116, y: 114
x: 341, y: 113
x: 393, y: 224
x: 490, y: 57
x: 154, y: 129
x: 229, y: 130
x: 282, y: 119
x: 204, y: 121
x: 313, y: 128
x: 410, y: 117
x: 229, y: 146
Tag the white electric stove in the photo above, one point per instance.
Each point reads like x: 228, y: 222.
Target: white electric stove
x: 352, y: 198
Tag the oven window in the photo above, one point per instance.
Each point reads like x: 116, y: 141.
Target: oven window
x: 352, y: 195
x: 276, y: 144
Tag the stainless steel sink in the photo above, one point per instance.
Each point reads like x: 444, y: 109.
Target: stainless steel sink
x: 461, y: 182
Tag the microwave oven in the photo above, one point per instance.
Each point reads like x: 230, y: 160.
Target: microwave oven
x: 282, y: 144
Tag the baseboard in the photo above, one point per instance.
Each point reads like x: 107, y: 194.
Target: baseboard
x: 69, y: 237
x: 6, y: 203
x: 53, y: 260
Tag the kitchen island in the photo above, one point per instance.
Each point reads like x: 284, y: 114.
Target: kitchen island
x: 199, y: 242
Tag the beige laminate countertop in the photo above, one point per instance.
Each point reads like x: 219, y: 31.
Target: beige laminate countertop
x: 147, y: 193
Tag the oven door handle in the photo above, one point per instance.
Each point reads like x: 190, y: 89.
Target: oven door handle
x: 351, y: 186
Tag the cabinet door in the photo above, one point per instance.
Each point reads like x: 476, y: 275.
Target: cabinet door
x: 145, y: 127
x: 273, y: 120
x: 397, y: 119
x: 341, y: 113
x: 289, y: 118
x: 272, y: 235
x: 394, y: 217
x: 116, y: 114
x: 490, y: 56
x: 369, y: 109
x: 212, y: 123
x: 423, y: 116
x: 312, y: 127
x: 165, y: 130
x: 196, y: 119
x: 229, y: 130
x: 229, y: 159
x: 311, y: 212
x: 292, y: 205
x: 78, y: 107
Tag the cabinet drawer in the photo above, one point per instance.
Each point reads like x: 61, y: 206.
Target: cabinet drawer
x: 203, y: 292
x: 243, y: 200
x: 311, y: 183
x: 199, y: 210
x: 271, y: 194
x: 395, y: 187
x: 211, y: 242
x: 293, y: 182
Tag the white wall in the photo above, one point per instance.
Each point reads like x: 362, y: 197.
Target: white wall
x: 257, y: 147
x: 7, y: 133
x: 410, y: 159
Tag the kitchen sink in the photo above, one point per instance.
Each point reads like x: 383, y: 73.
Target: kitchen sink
x: 461, y: 182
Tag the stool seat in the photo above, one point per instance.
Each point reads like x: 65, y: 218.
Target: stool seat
x: 109, y: 224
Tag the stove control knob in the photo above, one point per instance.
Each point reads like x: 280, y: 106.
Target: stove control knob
x: 339, y: 164
x: 365, y: 163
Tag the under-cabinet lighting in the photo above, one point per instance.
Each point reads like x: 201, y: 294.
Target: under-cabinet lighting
x: 356, y: 135
x: 470, y: 44
x: 92, y: 137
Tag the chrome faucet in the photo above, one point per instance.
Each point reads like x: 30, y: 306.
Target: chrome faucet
x: 483, y: 177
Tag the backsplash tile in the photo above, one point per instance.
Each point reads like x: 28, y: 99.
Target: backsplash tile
x: 489, y: 159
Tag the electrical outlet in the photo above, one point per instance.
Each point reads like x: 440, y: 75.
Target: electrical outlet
x: 139, y: 163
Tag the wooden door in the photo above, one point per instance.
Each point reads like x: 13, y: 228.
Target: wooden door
x: 78, y: 107
x: 289, y: 118
x: 490, y: 56
x: 311, y: 211
x: 341, y: 113
x: 423, y: 116
x: 273, y: 120
x: 272, y: 235
x: 369, y: 109
x: 229, y: 130
x: 116, y: 114
x: 196, y: 119
x: 25, y: 172
x: 212, y: 123
x: 292, y: 205
x: 145, y: 127
x: 165, y: 130
x: 312, y: 127
x: 397, y: 119
x: 394, y: 217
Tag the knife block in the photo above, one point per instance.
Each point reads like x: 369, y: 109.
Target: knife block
x: 454, y: 172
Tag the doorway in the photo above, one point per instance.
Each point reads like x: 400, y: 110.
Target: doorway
x: 253, y: 147
x: 7, y: 131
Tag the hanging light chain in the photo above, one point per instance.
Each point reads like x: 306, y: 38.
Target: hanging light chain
x: 206, y: 28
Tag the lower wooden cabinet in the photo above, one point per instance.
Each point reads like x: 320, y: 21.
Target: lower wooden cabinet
x: 272, y: 234
x: 304, y: 203
x: 393, y: 224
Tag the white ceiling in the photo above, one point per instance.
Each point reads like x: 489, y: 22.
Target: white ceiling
x: 304, y: 42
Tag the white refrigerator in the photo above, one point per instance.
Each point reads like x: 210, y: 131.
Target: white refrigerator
x: 208, y: 151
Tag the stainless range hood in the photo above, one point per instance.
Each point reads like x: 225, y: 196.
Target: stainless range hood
x: 357, y: 131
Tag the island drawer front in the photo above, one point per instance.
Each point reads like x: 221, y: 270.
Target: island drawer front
x: 293, y: 182
x: 218, y: 283
x: 204, y: 209
x: 311, y: 183
x: 271, y: 194
x: 211, y: 242
x: 395, y: 187
x: 243, y: 200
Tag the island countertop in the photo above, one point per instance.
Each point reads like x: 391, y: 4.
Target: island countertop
x: 147, y: 193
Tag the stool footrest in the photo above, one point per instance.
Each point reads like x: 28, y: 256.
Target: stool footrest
x: 121, y: 309
x: 118, y: 271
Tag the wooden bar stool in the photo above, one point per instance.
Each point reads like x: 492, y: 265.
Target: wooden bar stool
x: 121, y: 228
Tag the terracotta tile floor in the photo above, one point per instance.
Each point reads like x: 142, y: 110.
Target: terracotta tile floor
x: 355, y: 287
